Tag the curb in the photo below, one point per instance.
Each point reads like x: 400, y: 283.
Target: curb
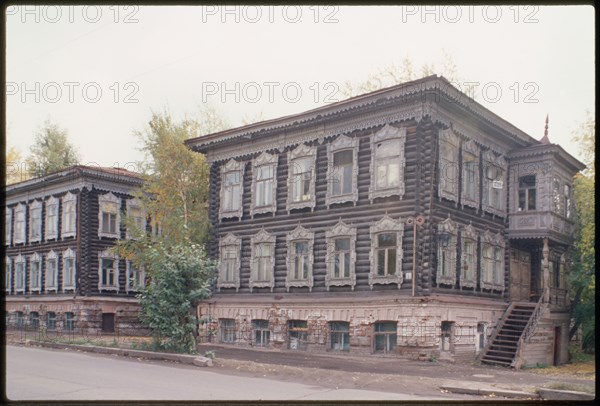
x: 555, y: 394
x: 490, y: 391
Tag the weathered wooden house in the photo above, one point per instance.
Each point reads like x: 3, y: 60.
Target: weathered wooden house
x: 59, y: 270
x: 410, y: 220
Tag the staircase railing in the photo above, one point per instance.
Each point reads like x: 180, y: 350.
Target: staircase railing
x: 529, y: 328
x: 495, y: 331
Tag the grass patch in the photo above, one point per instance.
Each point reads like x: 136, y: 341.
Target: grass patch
x: 577, y: 355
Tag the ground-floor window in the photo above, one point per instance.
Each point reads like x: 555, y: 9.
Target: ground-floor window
x: 297, y: 334
x: 262, y: 335
x: 339, y: 336
x: 446, y: 335
x: 19, y: 319
x: 34, y: 318
x: 227, y: 330
x: 385, y: 336
x: 69, y: 321
x: 51, y: 320
x: 480, y: 337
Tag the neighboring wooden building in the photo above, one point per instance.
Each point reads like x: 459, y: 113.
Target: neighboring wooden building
x: 410, y: 220
x: 59, y: 270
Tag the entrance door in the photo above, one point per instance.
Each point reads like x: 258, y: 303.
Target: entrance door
x: 556, y: 345
x: 108, y: 322
x: 520, y: 275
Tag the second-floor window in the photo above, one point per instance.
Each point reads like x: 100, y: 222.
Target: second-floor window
x: 264, y: 184
x: 19, y: 236
x: 301, y: 177
x: 136, y: 277
x: 69, y: 215
x: 342, y: 170
x: 7, y: 225
x: 8, y: 275
x: 468, y: 263
x: 386, y: 252
x: 229, y: 264
x: 387, y: 162
x: 137, y: 216
x: 51, y: 218
x: 262, y: 261
x: 299, y: 258
x: 108, y: 272
x: 35, y: 272
x: 51, y: 271
x: 527, y: 193
x: 567, y: 201
x: 109, y: 215
x: 557, y: 196
x: 19, y: 274
x: 492, y: 261
x: 231, y: 189
x: 68, y: 270
x: 470, y: 175
x: 341, y: 256
x: 35, y: 222
x: 446, y: 257
x: 448, y: 165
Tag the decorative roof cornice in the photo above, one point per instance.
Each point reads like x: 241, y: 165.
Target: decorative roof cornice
x: 540, y: 150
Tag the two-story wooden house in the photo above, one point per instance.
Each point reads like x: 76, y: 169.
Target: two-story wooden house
x: 410, y: 220
x: 59, y: 270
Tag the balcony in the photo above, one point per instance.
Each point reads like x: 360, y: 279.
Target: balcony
x: 538, y: 224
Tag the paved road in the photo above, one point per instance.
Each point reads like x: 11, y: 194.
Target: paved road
x: 42, y: 374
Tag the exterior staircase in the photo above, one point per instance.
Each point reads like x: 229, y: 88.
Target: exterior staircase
x: 504, y: 344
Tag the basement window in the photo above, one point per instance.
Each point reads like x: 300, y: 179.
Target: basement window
x: 339, y: 336
x: 297, y: 334
x: 446, y: 335
x: 262, y: 334
x: 385, y: 336
x: 227, y: 330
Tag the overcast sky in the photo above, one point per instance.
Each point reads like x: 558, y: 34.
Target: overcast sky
x: 99, y: 72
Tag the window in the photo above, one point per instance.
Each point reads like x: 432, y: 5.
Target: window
x: 35, y: 273
x: 447, y: 341
x: 494, y: 190
x: 341, y: 256
x: 136, y: 277
x: 262, y: 261
x: 109, y: 217
x: 386, y: 252
x: 108, y: 278
x: 69, y: 270
x: 156, y: 229
x: 19, y: 236
x: 470, y: 175
x: 297, y: 334
x: 262, y: 335
x: 51, y: 218
x: 387, y: 163
x: 231, y: 189
x: 264, y: 184
x: 19, y: 274
x: 468, y: 268
x: 299, y: 258
x: 342, y: 170
x: 385, y: 336
x: 556, y: 196
x: 7, y: 225
x: 567, y: 201
x: 229, y: 267
x: 446, y: 267
x: 448, y: 165
x: 69, y: 215
x: 301, y: 177
x: 480, y: 342
x: 492, y: 261
x: 35, y: 221
x: 339, y: 336
x: 227, y: 330
x: 51, y: 321
x: 69, y: 321
x: 527, y: 193
x: 8, y: 275
x: 137, y: 216
x: 34, y: 320
x: 51, y: 272
x: 19, y: 319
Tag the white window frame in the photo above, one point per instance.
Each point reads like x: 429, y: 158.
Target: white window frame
x: 468, y: 233
x: 135, y: 204
x: 33, y: 258
x: 232, y: 166
x: 340, y: 230
x: 69, y: 210
x: 8, y: 275
x: 448, y: 166
x: 35, y: 233
x: 302, y: 151
x: 264, y: 159
x: 107, y: 254
x: 51, y: 223
x: 490, y: 159
x: 130, y: 268
x: 341, y: 144
x: 8, y: 225
x: 387, y: 133
x: 488, y: 278
x: 470, y: 148
x: 450, y: 228
x: 299, y: 234
x: 20, y: 260
x: 106, y: 204
x: 386, y: 225
x: 229, y: 241
x: 69, y: 254
x: 262, y: 237
x: 51, y: 257
x: 20, y: 233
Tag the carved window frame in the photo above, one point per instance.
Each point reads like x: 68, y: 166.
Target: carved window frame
x: 20, y: 233
x: 387, y: 133
x: 49, y: 235
x: 229, y: 240
x: 386, y: 225
x: 8, y: 214
x: 340, y: 230
x: 301, y: 151
x: 69, y: 209
x: 447, y: 187
x: 468, y: 233
x: 490, y: 159
x: 69, y: 253
x: 232, y: 166
x: 51, y: 257
x: 495, y: 241
x: 133, y: 204
x: 20, y: 260
x: 35, y: 207
x: 264, y: 159
x: 299, y: 234
x: 8, y: 274
x: 107, y: 203
x: 107, y: 254
x: 130, y: 270
x: 451, y: 228
x: 470, y: 148
x: 35, y: 258
x: 262, y: 237
x: 340, y: 144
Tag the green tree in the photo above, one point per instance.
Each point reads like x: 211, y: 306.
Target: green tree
x: 51, y: 151
x: 15, y: 170
x: 582, y: 278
